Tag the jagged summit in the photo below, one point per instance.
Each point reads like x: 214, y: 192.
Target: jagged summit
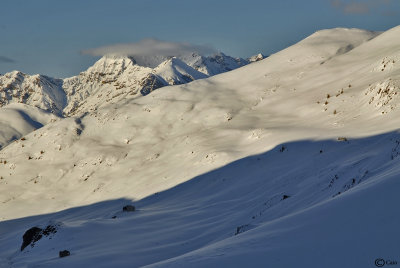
x: 213, y: 64
x: 111, y: 78
x: 256, y: 58
x: 36, y: 90
x: 112, y: 64
x: 175, y: 71
x: 114, y: 77
x: 209, y: 65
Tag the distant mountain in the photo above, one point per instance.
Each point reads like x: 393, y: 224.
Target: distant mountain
x: 255, y: 58
x: 110, y: 79
x: 208, y: 65
x: 36, y: 90
x: 114, y: 77
x: 215, y: 64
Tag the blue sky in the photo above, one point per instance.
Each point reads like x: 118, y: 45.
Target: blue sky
x: 48, y: 36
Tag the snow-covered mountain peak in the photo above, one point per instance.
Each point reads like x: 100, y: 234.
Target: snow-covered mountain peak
x: 13, y: 74
x: 175, y: 71
x: 115, y: 77
x: 213, y: 64
x: 322, y: 46
x: 337, y: 41
x: 340, y: 35
x: 112, y: 64
x: 256, y: 57
x: 208, y: 65
x: 36, y: 90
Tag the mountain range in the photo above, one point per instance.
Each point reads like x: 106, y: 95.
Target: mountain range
x: 290, y: 161
x: 111, y: 79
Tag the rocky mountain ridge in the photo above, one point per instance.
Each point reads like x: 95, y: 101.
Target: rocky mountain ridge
x: 110, y: 79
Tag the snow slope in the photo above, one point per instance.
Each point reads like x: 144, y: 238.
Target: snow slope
x: 17, y: 120
x: 196, y: 222
x: 289, y: 161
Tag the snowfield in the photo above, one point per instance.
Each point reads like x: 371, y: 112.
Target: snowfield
x: 17, y: 119
x: 291, y: 161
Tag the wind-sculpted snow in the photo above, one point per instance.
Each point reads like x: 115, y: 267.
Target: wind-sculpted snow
x: 290, y: 161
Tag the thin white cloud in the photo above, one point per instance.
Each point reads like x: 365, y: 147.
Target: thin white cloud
x: 359, y: 7
x: 150, y: 47
x: 6, y: 60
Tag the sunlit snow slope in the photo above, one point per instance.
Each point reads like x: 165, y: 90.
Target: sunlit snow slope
x: 287, y: 162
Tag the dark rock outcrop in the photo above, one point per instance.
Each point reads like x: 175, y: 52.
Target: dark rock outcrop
x: 31, y: 236
x: 34, y: 234
x: 64, y: 253
x: 149, y: 83
x: 128, y: 208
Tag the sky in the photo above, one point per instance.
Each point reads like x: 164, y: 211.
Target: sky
x: 61, y: 38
